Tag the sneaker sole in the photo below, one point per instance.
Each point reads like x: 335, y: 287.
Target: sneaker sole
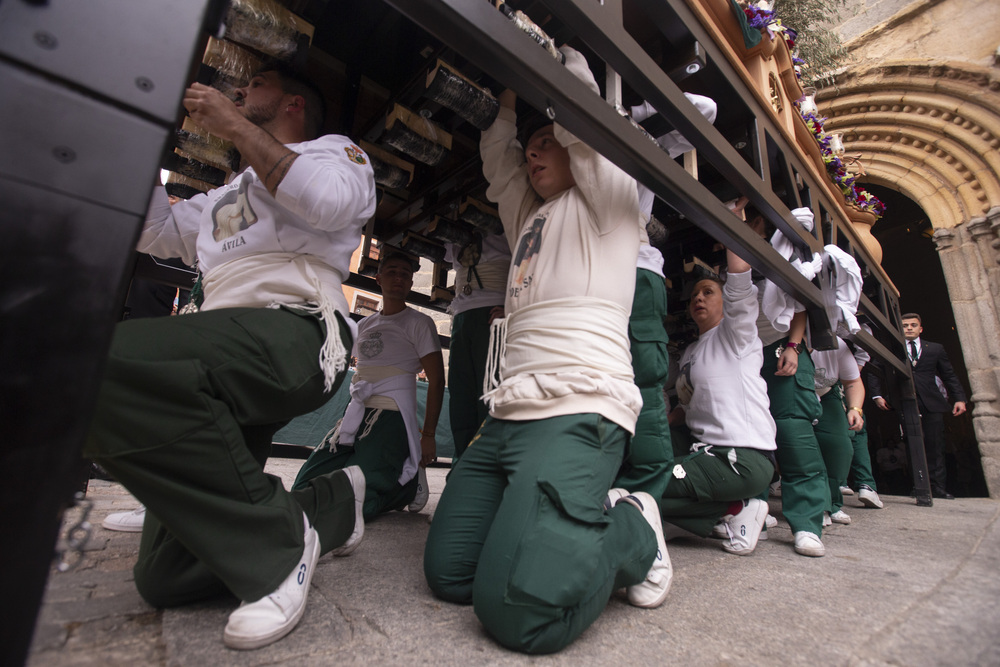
x: 348, y: 547
x: 660, y: 598
x: 242, y: 643
x: 868, y: 502
x: 121, y: 529
x: 812, y: 552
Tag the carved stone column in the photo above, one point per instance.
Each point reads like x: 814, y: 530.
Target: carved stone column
x: 968, y: 273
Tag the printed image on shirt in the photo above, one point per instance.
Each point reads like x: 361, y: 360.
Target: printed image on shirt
x: 825, y: 378
x: 372, y: 345
x: 232, y: 213
x: 530, y: 245
x: 684, y: 387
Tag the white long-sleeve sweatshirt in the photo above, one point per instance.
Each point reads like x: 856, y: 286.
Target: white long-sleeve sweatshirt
x: 571, y: 280
x: 727, y: 398
x: 256, y: 250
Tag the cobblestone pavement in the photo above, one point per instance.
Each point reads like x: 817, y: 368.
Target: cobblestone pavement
x: 906, y: 585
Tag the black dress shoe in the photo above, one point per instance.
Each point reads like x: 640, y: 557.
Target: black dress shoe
x: 943, y: 494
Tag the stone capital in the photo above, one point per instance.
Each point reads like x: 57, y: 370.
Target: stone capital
x: 978, y: 227
x: 944, y: 239
x: 993, y: 215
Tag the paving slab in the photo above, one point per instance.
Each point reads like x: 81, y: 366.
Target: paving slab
x: 905, y: 585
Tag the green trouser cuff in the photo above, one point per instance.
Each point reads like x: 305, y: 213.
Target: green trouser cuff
x: 835, y: 445
x: 861, y: 461
x: 805, y: 491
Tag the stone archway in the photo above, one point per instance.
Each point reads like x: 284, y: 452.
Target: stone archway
x: 932, y: 132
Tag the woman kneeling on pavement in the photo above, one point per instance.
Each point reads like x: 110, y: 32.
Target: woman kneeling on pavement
x: 723, y: 400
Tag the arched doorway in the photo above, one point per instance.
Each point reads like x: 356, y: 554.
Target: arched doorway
x: 929, y: 134
x: 911, y: 260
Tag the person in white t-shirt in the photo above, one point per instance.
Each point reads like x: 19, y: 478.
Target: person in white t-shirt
x: 379, y: 432
x: 480, y: 287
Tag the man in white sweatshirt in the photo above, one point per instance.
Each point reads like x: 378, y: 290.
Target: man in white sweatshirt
x: 188, y: 406
x: 379, y: 432
x: 521, y: 530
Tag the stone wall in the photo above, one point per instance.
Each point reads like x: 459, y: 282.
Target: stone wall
x: 927, y: 30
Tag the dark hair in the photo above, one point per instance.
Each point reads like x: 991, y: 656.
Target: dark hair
x: 912, y: 316
x: 391, y: 255
x: 530, y: 126
x: 295, y: 82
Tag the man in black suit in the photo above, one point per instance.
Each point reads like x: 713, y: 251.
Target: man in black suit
x: 929, y: 363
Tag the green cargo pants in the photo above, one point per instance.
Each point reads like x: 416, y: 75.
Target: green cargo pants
x: 805, y: 492
x: 861, y: 460
x: 832, y: 432
x: 712, y: 478
x: 649, y: 455
x: 521, y: 531
x: 380, y: 453
x: 184, y: 421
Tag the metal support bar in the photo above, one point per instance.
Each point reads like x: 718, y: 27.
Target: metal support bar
x: 479, y: 32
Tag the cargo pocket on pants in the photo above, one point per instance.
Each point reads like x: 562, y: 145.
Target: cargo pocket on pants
x: 558, y: 554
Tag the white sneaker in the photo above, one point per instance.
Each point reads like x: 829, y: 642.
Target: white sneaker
x: 846, y: 491
x: 423, y: 492
x: 809, y: 544
x: 259, y: 623
x: 614, y: 495
x: 719, y: 529
x: 653, y: 591
x: 840, y: 516
x: 357, y: 479
x: 827, y: 521
x: 126, y: 522
x: 743, y: 529
x: 869, y: 498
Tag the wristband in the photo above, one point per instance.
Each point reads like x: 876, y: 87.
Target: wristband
x: 794, y: 346
x: 859, y: 411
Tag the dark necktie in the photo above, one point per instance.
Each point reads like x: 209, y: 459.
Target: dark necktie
x: 913, y: 353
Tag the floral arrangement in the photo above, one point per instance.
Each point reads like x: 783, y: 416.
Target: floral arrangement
x: 853, y: 193
x: 760, y: 15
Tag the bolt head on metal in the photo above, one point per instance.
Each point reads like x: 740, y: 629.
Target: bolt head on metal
x: 64, y: 154
x: 144, y: 84
x: 425, y: 113
x: 550, y: 112
x: 46, y: 40
x: 692, y: 68
x: 740, y: 145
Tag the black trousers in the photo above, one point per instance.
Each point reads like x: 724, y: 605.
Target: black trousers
x: 933, y: 425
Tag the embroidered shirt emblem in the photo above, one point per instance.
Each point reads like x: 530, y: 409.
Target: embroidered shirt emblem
x: 355, y: 154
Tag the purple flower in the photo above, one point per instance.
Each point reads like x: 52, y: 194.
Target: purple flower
x: 758, y: 18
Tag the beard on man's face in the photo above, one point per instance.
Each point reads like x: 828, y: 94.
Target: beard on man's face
x: 260, y: 114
